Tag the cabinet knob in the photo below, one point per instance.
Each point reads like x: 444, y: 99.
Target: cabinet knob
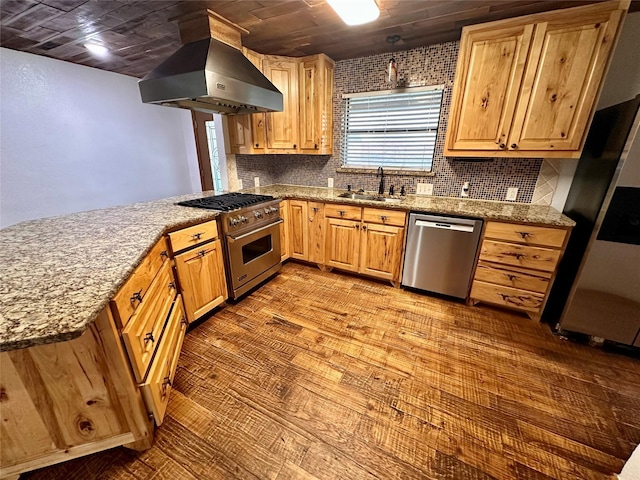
x: 364, y: 227
x: 257, y: 145
x: 136, y: 297
x: 164, y: 254
x: 166, y: 383
x: 295, y: 146
x: 149, y: 338
x: 341, y: 212
x: 502, y: 145
x: 514, y: 145
x: 357, y: 226
x: 196, y: 236
x: 315, y: 145
x: 183, y: 321
x: 524, y: 235
x: 172, y: 285
x: 202, y: 253
x: 383, y: 218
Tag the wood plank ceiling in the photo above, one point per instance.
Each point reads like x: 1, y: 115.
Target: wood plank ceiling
x: 140, y: 34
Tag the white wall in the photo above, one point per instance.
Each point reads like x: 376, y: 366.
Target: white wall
x: 75, y: 138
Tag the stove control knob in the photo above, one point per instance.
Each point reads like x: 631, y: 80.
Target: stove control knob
x: 233, y: 222
x: 267, y: 211
x: 257, y: 214
x: 242, y: 219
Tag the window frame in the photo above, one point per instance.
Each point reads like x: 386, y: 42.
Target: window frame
x: 408, y: 170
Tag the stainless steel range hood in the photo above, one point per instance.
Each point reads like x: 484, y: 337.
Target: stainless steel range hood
x: 210, y: 76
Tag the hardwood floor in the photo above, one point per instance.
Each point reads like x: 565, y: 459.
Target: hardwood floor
x: 323, y: 375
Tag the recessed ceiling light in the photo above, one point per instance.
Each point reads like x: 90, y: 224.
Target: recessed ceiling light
x: 355, y: 12
x: 99, y: 50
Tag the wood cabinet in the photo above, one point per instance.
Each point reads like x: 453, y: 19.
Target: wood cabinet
x: 366, y: 240
x: 306, y: 231
x: 284, y: 230
x: 517, y: 265
x: 306, y: 123
x: 316, y: 105
x: 202, y: 280
x: 298, y: 230
x: 282, y: 127
x: 528, y: 86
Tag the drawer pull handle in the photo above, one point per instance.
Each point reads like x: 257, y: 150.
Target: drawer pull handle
x: 172, y: 285
x: 137, y: 297
x: 383, y: 218
x: 364, y: 227
x: 357, y: 226
x: 524, y: 235
x: 166, y: 383
x: 202, y: 253
x: 517, y: 255
x: 341, y: 212
x: 183, y: 321
x: 196, y: 236
x: 164, y: 254
x: 511, y: 277
x: 149, y: 338
x: 316, y: 209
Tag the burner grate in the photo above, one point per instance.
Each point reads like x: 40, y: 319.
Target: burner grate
x: 227, y: 201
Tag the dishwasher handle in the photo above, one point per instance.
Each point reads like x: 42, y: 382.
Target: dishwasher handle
x: 457, y: 227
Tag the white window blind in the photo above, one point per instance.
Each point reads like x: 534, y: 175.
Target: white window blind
x: 392, y: 128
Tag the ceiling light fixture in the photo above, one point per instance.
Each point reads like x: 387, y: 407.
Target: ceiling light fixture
x: 355, y: 12
x: 99, y: 50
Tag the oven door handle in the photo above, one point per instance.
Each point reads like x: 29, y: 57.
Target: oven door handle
x: 253, y: 232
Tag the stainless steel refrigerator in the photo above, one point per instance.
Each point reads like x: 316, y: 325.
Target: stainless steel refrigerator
x: 597, y: 291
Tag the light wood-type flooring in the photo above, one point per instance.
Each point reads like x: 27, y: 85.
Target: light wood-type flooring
x: 329, y: 376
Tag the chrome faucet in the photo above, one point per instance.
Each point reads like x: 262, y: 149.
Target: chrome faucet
x: 381, y: 186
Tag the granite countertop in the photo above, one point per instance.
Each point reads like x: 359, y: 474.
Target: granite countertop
x: 506, y: 211
x: 58, y: 273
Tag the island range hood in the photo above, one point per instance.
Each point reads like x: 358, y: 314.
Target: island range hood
x: 209, y: 73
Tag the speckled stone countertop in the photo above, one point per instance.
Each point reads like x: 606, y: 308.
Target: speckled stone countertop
x: 506, y: 211
x: 57, y: 274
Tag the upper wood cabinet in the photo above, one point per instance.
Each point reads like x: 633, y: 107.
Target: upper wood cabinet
x: 528, y: 86
x: 306, y: 123
x: 282, y: 127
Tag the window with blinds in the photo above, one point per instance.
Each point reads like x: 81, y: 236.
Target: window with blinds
x: 393, y: 128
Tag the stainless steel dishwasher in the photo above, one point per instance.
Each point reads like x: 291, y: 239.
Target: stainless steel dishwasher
x: 440, y: 253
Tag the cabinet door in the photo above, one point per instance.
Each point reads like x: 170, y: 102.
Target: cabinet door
x: 568, y: 59
x: 201, y: 275
x: 316, y: 105
x: 298, y: 230
x: 282, y: 127
x: 258, y: 137
x: 284, y: 230
x: 316, y: 232
x: 342, y: 244
x: 381, y: 251
x: 490, y: 69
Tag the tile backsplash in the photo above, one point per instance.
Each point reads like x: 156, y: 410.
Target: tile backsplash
x: 489, y: 178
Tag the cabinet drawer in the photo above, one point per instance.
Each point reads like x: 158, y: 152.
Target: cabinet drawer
x: 513, y: 277
x: 160, y: 379
x: 345, y: 212
x: 385, y: 217
x: 132, y: 293
x: 520, y: 255
x: 511, y: 232
x: 506, y: 296
x: 189, y: 237
x: 142, y: 333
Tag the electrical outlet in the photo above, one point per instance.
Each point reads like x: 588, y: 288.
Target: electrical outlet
x: 256, y: 181
x: 465, y: 190
x: 424, y: 188
x: 330, y: 182
x: 240, y: 184
x: 512, y: 194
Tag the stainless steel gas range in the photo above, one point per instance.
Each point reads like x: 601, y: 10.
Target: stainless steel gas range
x: 251, y: 229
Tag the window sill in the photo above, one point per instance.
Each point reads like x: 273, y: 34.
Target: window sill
x: 387, y: 171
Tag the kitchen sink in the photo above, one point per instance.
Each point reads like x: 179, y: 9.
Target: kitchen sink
x: 372, y: 198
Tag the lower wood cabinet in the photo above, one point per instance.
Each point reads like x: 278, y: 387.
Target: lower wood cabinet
x: 342, y: 244
x: 517, y: 265
x: 159, y: 382
x: 284, y: 230
x: 202, y: 280
x: 366, y: 240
